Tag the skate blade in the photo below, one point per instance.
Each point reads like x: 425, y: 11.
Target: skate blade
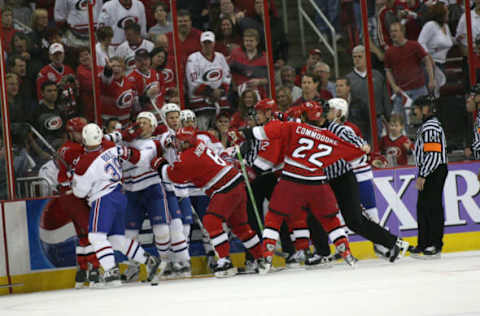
x: 226, y: 274
x: 295, y: 265
x: 80, y: 285
x: 318, y: 266
x: 431, y: 257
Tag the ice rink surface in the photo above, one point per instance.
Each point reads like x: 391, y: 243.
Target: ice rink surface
x: 447, y: 287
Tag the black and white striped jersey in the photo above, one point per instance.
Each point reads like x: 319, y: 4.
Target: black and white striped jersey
x: 430, y: 147
x: 476, y: 138
x: 341, y: 167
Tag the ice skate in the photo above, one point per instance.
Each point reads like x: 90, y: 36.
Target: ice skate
x: 381, y: 251
x: 415, y: 252
x: 152, y: 266
x: 432, y: 253
x: 94, y: 277
x: 264, y: 265
x: 296, y: 259
x: 398, y: 250
x: 81, y: 277
x: 111, y: 278
x: 316, y: 261
x: 132, y: 272
x: 182, y: 269
x: 225, y: 268
x: 250, y: 267
x: 346, y: 255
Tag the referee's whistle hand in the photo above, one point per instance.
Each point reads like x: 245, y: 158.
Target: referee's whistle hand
x: 420, y: 183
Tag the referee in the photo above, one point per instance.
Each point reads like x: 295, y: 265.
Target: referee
x: 431, y: 161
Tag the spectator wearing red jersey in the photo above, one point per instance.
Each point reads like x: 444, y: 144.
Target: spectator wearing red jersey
x: 403, y: 67
x: 396, y: 146
x: 7, y: 29
x: 118, y: 93
x: 165, y: 65
x: 228, y: 37
x: 313, y: 58
x: 54, y: 71
x: 245, y: 114
x: 248, y: 64
x: 84, y: 77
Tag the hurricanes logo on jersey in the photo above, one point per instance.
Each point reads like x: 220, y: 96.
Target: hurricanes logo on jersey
x: 167, y: 75
x: 127, y: 20
x: 393, y: 151
x: 53, y: 123
x: 213, y: 75
x: 125, y: 99
x: 81, y: 5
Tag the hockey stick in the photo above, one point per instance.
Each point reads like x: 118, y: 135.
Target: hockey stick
x: 47, y: 144
x: 249, y: 188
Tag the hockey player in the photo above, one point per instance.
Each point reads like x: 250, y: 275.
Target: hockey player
x: 208, y: 78
x: 76, y: 208
x: 144, y: 191
x: 178, y: 200
x: 338, y: 112
x: 119, y: 13
x: 98, y: 177
x: 223, y: 183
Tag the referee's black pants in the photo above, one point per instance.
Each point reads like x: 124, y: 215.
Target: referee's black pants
x: 346, y: 191
x: 430, y: 212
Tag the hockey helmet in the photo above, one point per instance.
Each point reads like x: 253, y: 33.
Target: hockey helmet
x: 92, y: 135
x: 150, y: 116
x: 76, y: 124
x: 186, y: 134
x: 187, y: 115
x: 265, y: 105
x: 313, y: 110
x: 340, y: 105
x: 167, y: 108
x: 294, y: 112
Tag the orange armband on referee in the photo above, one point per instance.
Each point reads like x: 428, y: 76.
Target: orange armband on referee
x: 435, y: 147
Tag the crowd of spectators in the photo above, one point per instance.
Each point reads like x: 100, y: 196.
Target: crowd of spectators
x: 50, y: 66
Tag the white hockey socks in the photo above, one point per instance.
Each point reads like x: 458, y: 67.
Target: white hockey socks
x: 186, y: 232
x: 178, y: 244
x: 129, y: 247
x: 103, y: 250
x: 161, y: 234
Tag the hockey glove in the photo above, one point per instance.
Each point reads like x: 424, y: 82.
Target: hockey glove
x: 131, y: 132
x: 128, y: 153
x: 157, y: 163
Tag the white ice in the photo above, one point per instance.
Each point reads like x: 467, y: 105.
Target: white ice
x: 448, y: 287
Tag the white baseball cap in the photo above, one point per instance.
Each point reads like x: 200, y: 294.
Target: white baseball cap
x: 207, y: 36
x: 55, y: 48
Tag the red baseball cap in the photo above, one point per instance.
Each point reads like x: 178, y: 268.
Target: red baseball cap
x: 316, y: 51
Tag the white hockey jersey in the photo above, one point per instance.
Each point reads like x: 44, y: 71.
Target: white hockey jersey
x: 117, y: 17
x: 128, y: 53
x: 49, y: 172
x: 75, y: 13
x: 97, y: 173
x: 102, y: 55
x: 139, y: 176
x: 203, y: 74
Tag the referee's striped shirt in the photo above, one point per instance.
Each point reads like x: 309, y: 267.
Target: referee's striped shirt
x: 476, y: 138
x: 341, y: 167
x: 430, y: 147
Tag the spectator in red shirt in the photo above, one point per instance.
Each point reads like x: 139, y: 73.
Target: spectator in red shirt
x: 396, y: 146
x: 244, y: 116
x: 7, y: 29
x: 403, y: 68
x: 313, y: 58
x: 165, y: 65
x: 84, y: 77
x: 310, y: 92
x: 228, y: 37
x: 249, y: 65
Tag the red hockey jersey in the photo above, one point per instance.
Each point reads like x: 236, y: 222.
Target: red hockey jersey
x: 308, y: 149
x: 396, y: 150
x: 69, y: 152
x: 142, y: 82
x: 270, y: 156
x: 117, y: 98
x: 50, y: 73
x: 201, y: 166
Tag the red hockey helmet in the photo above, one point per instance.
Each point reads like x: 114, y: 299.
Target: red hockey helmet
x: 265, y: 105
x: 187, y: 134
x: 294, y: 112
x: 313, y: 110
x: 76, y: 124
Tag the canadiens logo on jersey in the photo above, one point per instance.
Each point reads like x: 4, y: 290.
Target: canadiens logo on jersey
x: 127, y: 20
x: 167, y: 75
x: 125, y: 99
x: 81, y: 5
x: 213, y: 75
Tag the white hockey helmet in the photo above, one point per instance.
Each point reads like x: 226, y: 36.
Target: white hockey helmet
x: 150, y: 116
x: 187, y: 115
x: 167, y: 108
x: 339, y: 104
x: 92, y: 135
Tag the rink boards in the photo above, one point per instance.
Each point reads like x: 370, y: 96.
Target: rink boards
x: 37, y: 247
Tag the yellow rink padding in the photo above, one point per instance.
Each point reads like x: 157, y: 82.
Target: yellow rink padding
x: 64, y: 278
